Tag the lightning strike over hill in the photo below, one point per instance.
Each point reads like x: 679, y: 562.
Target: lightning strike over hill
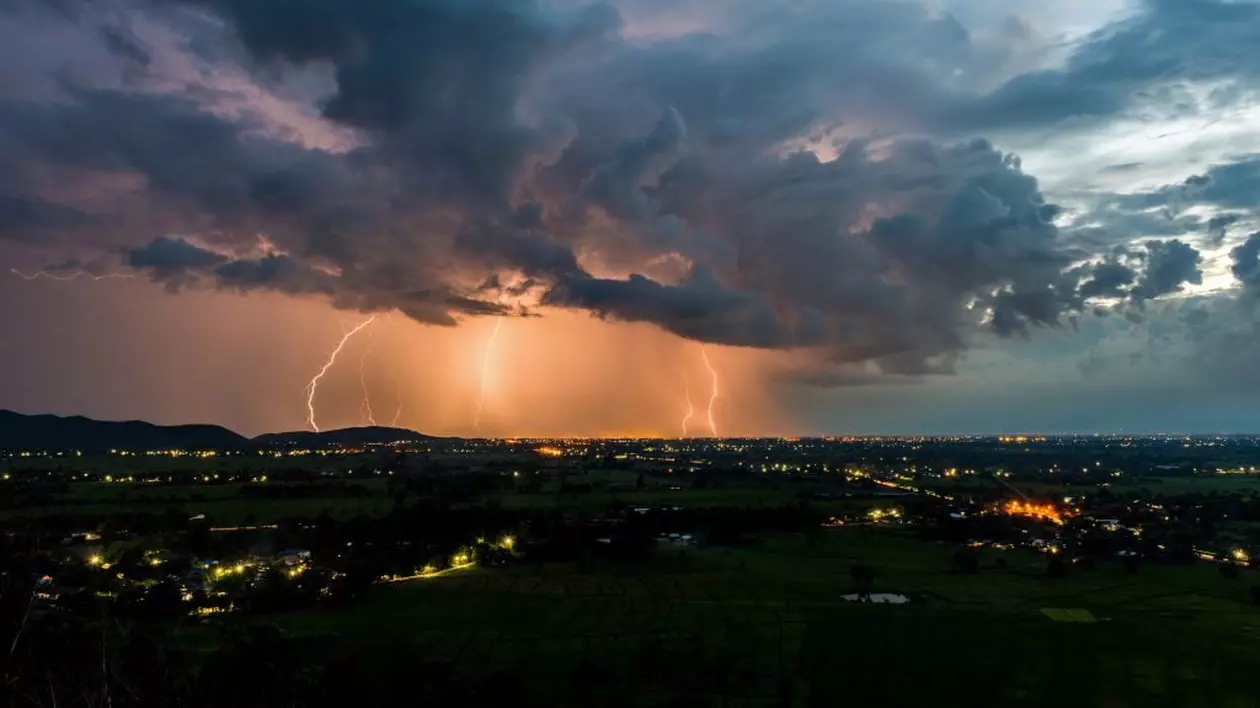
x: 691, y: 408
x: 485, y: 372
x: 313, y: 386
x: 392, y: 371
x: 714, y: 396
x: 393, y: 423
x: 365, y: 408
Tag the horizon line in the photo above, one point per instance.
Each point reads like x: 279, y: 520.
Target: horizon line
x: 632, y: 436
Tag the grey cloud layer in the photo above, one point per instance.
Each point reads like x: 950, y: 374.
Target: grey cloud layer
x: 500, y: 136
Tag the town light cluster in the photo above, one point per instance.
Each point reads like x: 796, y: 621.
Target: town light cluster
x: 1044, y: 512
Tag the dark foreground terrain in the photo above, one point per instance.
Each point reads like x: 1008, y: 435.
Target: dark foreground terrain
x: 636, y: 574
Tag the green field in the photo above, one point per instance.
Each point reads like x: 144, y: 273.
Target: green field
x: 1159, y: 486
x: 659, y: 496
x: 223, y: 504
x: 767, y: 626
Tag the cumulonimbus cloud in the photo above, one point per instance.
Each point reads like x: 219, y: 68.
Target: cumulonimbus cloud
x: 500, y: 137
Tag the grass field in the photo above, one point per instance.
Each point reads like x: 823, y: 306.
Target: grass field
x: 660, y: 496
x: 224, y: 511
x: 223, y: 504
x: 1165, y: 486
x: 766, y: 626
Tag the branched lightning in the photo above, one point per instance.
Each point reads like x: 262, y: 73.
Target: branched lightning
x: 71, y: 276
x: 712, y: 398
x: 691, y: 408
x: 313, y: 386
x: 485, y: 372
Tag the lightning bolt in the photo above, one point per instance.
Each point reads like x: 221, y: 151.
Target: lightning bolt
x: 712, y: 398
x: 691, y: 408
x: 365, y: 408
x: 313, y: 386
x: 393, y: 423
x: 72, y: 276
x: 485, y: 372
x: 393, y: 378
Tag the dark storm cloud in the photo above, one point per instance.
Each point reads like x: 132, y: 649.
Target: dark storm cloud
x: 530, y: 251
x: 528, y: 216
x: 1234, y: 185
x: 123, y: 42
x: 26, y: 219
x: 985, y: 239
x: 224, y: 172
x: 1218, y: 227
x: 176, y: 263
x: 1040, y: 98
x: 170, y: 256
x: 1230, y: 185
x: 969, y: 226
x: 1133, y: 63
x: 1170, y: 210
x: 824, y: 64
x: 1246, y: 266
x: 1108, y: 280
x: 1145, y: 272
x: 1013, y: 312
x: 617, y: 184
x: 439, y: 81
x: 1169, y: 265
x: 275, y: 271
x: 498, y: 137
x: 699, y: 309
x: 779, y: 72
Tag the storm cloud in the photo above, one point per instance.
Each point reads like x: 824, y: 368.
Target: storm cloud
x: 1139, y: 64
x: 808, y: 178
x: 1169, y: 265
x: 1246, y: 267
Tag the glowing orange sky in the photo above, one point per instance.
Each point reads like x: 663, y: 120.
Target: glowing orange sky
x: 242, y: 361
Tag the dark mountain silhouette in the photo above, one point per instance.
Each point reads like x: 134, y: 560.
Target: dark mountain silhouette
x: 62, y: 434
x: 51, y: 433
x: 345, y: 437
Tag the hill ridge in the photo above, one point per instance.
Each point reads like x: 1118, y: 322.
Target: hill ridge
x: 46, y: 432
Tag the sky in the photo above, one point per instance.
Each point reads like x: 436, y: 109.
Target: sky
x: 633, y: 217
